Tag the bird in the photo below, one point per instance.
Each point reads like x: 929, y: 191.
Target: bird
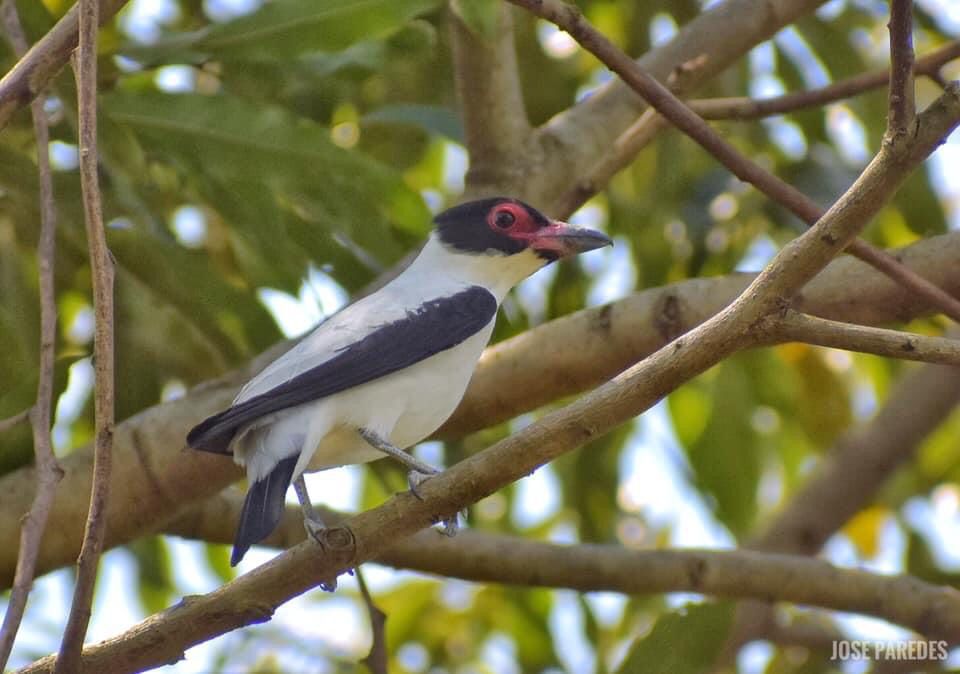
x: 386, y: 371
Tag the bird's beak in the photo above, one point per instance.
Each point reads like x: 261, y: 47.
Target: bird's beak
x: 560, y: 239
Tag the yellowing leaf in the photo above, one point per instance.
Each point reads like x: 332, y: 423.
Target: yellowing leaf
x: 864, y: 530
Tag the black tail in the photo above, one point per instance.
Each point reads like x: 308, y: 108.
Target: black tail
x: 263, y: 508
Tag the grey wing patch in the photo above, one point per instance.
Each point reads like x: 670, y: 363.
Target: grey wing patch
x: 434, y: 326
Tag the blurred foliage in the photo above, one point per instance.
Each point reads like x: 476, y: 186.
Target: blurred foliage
x: 242, y: 150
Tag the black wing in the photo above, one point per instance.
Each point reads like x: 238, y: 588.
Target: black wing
x: 432, y: 327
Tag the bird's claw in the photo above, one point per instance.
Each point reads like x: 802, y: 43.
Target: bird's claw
x: 314, y: 529
x: 417, y: 477
x: 451, y: 525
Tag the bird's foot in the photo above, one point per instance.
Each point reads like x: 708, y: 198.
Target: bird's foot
x: 314, y: 528
x: 451, y: 525
x: 417, y: 477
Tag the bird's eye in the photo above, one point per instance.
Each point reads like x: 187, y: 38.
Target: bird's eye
x: 504, y: 219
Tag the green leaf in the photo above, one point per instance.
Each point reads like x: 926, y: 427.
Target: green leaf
x: 726, y: 456
x: 154, y: 574
x: 285, y: 29
x: 683, y: 642
x: 431, y: 118
x: 236, y: 153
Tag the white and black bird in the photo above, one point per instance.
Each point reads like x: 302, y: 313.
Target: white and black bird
x: 385, y: 372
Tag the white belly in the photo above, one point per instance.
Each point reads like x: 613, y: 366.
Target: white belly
x: 404, y: 407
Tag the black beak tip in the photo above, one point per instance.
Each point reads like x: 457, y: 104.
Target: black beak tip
x: 591, y: 239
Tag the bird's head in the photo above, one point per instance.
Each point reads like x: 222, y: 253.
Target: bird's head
x: 505, y: 227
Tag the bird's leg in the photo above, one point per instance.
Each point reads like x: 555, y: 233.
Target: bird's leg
x: 419, y: 471
x: 312, y: 522
x: 314, y: 525
x: 418, y: 468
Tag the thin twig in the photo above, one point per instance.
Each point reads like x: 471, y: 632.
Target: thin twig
x: 32, y: 73
x: 800, y: 327
x: 101, y: 263
x: 902, y: 109
x: 627, y: 146
x: 15, y: 420
x: 376, y: 659
x: 680, y: 115
x: 632, y: 141
x: 742, y: 108
x: 48, y: 471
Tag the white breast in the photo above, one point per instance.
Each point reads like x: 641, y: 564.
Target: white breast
x: 405, y: 407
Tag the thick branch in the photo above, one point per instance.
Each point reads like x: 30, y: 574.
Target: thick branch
x: 154, y: 474
x: 48, y: 471
x: 491, y: 105
x: 101, y: 266
x: 509, y: 560
x: 932, y: 611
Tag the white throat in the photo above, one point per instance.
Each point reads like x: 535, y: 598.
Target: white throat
x: 494, y: 271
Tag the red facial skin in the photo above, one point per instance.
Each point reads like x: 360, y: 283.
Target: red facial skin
x: 552, y: 238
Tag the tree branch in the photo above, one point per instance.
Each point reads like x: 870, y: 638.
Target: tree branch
x: 799, y: 327
x: 253, y: 596
x: 101, y: 264
x: 632, y: 141
x: 920, y: 402
x: 378, y: 657
x: 154, y: 475
x: 718, y: 36
x: 901, y: 102
x: 509, y: 560
x: 933, y: 611
x: 571, y: 20
x: 750, y: 108
x: 45, y: 60
x: 491, y: 105
x: 48, y: 471
x: 15, y: 420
